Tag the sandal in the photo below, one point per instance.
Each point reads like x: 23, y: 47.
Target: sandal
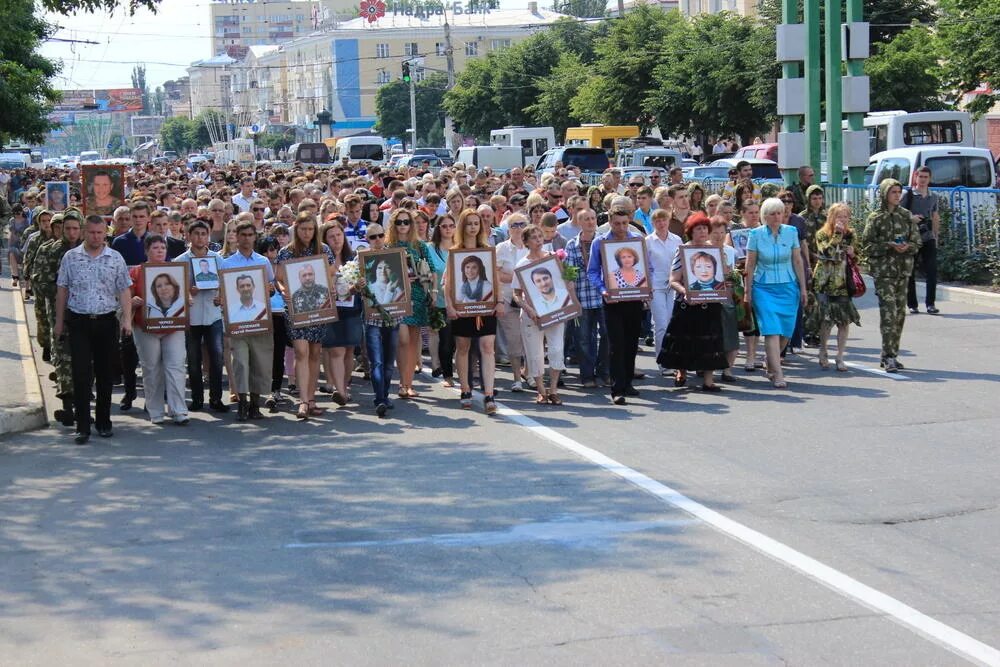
x: 314, y: 410
x: 554, y: 399
x: 824, y: 360
x: 680, y: 378
x: 303, y: 412
x: 410, y: 393
x: 541, y: 399
x: 841, y: 366
x: 714, y: 388
x: 402, y: 393
x: 489, y: 405
x: 466, y: 400
x: 779, y: 384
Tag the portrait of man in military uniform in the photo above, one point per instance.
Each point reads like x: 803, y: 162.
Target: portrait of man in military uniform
x: 103, y: 188
x: 308, y: 284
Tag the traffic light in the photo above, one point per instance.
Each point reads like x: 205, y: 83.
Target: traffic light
x: 406, y: 71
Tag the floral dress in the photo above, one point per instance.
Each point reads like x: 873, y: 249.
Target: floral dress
x: 313, y: 334
x: 835, y: 306
x: 415, y: 259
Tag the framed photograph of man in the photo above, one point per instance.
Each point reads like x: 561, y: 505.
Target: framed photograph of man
x: 246, y: 306
x: 205, y: 271
x: 547, y: 293
x: 56, y: 196
x: 103, y: 188
x: 308, y: 283
x: 474, y: 281
x: 386, y: 276
x: 165, y: 297
x: 626, y: 276
x: 704, y: 275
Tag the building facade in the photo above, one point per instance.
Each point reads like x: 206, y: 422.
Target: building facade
x: 695, y: 7
x: 238, y: 25
x: 211, y: 84
x: 177, y: 97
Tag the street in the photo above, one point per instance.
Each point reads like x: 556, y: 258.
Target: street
x: 542, y: 536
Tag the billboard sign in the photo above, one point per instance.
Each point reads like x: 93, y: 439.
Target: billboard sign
x: 146, y: 126
x: 105, y: 99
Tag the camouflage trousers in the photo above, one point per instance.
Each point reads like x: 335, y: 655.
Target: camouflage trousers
x: 60, y: 359
x: 891, y: 294
x: 43, y: 304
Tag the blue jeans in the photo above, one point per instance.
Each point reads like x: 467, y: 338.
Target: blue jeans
x: 381, y: 345
x: 211, y: 335
x: 593, y: 351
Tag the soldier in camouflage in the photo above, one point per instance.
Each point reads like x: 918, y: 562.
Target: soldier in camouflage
x: 47, y: 269
x: 814, y: 215
x: 35, y: 241
x: 891, y: 240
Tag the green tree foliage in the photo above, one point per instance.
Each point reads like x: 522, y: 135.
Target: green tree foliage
x: 523, y: 69
x: 392, y: 106
x: 903, y: 73
x: 715, y: 79
x: 471, y: 103
x: 26, y: 93
x: 626, y: 58
x: 577, y: 37
x: 139, y: 81
x: 175, y: 134
x: 581, y: 8
x: 887, y: 19
x: 71, y: 6
x: 556, y: 91
x: 969, y: 38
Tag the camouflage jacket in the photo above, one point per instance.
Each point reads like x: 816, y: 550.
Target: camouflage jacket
x: 883, y: 227
x: 46, y: 266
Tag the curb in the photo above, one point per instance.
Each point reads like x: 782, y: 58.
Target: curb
x: 31, y: 415
x: 951, y: 293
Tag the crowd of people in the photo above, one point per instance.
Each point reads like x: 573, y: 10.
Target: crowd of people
x: 784, y: 263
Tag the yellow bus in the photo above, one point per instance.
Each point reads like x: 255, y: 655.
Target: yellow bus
x: 597, y: 135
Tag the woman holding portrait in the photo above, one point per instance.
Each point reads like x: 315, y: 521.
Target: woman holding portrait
x: 442, y: 343
x: 341, y: 337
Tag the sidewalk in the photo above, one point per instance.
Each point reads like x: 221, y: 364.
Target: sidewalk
x: 21, y: 405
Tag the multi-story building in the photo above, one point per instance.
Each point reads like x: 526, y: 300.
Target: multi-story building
x: 694, y: 7
x: 342, y: 69
x: 177, y: 97
x: 211, y: 84
x: 238, y: 25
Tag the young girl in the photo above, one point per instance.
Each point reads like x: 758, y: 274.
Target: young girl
x: 834, y: 244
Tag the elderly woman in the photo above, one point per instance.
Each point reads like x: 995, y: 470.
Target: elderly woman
x: 776, y: 283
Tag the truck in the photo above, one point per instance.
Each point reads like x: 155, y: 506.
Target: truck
x: 598, y: 135
x: 534, y: 141
x: 647, y: 152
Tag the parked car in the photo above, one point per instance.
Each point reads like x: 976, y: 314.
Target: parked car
x: 432, y: 163
x: 699, y: 173
x: 766, y: 170
x: 758, y: 151
x: 592, y: 160
x: 442, y: 153
x: 395, y: 159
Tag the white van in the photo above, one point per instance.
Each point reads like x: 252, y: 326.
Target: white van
x: 368, y: 148
x: 534, y: 141
x: 951, y: 167
x: 500, y: 159
x: 89, y: 156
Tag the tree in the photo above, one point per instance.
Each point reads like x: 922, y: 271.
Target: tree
x: 521, y: 71
x: 26, y: 93
x: 969, y: 38
x: 626, y: 59
x: 887, y: 19
x: 392, y: 106
x: 157, y: 100
x: 72, y: 6
x: 582, y: 8
x: 712, y: 79
x: 556, y: 91
x: 903, y: 73
x: 175, y: 133
x: 471, y: 102
x: 577, y: 37
x: 139, y: 81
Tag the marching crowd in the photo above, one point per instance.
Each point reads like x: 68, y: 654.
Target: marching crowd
x: 789, y: 264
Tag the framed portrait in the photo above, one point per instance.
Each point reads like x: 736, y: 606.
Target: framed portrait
x: 56, y: 196
x: 308, y: 281
x: 546, y: 291
x: 246, y: 306
x: 474, y: 284
x: 205, y: 272
x: 165, y: 297
x: 704, y: 275
x: 386, y: 275
x: 626, y: 275
x: 103, y: 188
x: 741, y: 239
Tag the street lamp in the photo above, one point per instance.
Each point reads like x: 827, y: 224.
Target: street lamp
x: 324, y: 117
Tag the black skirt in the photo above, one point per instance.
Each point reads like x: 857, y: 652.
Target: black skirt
x: 465, y: 327
x: 694, y: 339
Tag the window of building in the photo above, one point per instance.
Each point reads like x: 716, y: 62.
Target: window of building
x: 499, y: 44
x: 472, y: 48
x: 410, y: 49
x: 383, y: 77
x: 382, y: 50
x: 439, y: 48
x: 419, y: 74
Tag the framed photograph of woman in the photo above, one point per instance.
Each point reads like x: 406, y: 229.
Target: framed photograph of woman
x: 165, y: 299
x: 386, y: 275
x: 704, y: 275
x: 103, y: 188
x: 246, y: 306
x: 626, y: 276
x: 740, y: 239
x: 56, y: 195
x: 474, y: 283
x: 547, y: 293
x: 310, y: 300
x: 205, y: 271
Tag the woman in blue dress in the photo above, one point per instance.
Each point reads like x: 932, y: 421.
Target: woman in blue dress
x: 776, y: 283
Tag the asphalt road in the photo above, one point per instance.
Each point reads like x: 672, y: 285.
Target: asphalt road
x: 850, y: 520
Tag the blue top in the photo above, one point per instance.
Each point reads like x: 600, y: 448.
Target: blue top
x: 588, y: 295
x: 238, y: 260
x: 131, y: 248
x: 774, y: 254
x: 595, y: 267
x: 644, y: 219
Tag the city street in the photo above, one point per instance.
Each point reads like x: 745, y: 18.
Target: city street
x: 849, y: 520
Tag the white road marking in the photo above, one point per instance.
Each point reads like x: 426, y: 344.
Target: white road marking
x: 569, y: 531
x: 875, y: 371
x: 944, y: 635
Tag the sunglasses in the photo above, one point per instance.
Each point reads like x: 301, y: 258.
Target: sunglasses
x: 404, y: 222
x: 517, y: 225
x: 447, y: 225
x: 634, y: 185
x: 788, y: 201
x: 257, y: 210
x: 376, y: 236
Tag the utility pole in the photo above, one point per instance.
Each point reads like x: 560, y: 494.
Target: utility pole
x: 449, y: 126
x: 408, y: 78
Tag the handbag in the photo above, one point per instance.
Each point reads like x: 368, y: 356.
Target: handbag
x: 856, y: 287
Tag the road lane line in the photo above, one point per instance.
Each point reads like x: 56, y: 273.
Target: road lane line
x: 875, y: 371
x: 944, y: 635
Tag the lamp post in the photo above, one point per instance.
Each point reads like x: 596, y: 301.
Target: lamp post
x: 324, y: 117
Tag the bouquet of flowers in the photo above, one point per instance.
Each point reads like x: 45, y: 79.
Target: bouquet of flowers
x: 348, y: 275
x: 569, y: 272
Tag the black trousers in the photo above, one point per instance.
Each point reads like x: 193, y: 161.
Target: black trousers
x: 129, y: 358
x: 93, y: 343
x: 446, y: 351
x: 278, y: 359
x: 624, y: 325
x: 927, y: 260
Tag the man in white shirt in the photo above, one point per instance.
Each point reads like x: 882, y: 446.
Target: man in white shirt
x: 661, y: 246
x: 245, y: 197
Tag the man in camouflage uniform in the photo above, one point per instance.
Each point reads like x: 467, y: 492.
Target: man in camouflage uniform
x: 31, y: 246
x: 47, y: 263
x: 310, y: 296
x: 891, y: 240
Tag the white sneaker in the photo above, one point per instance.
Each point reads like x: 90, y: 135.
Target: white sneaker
x: 516, y: 387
